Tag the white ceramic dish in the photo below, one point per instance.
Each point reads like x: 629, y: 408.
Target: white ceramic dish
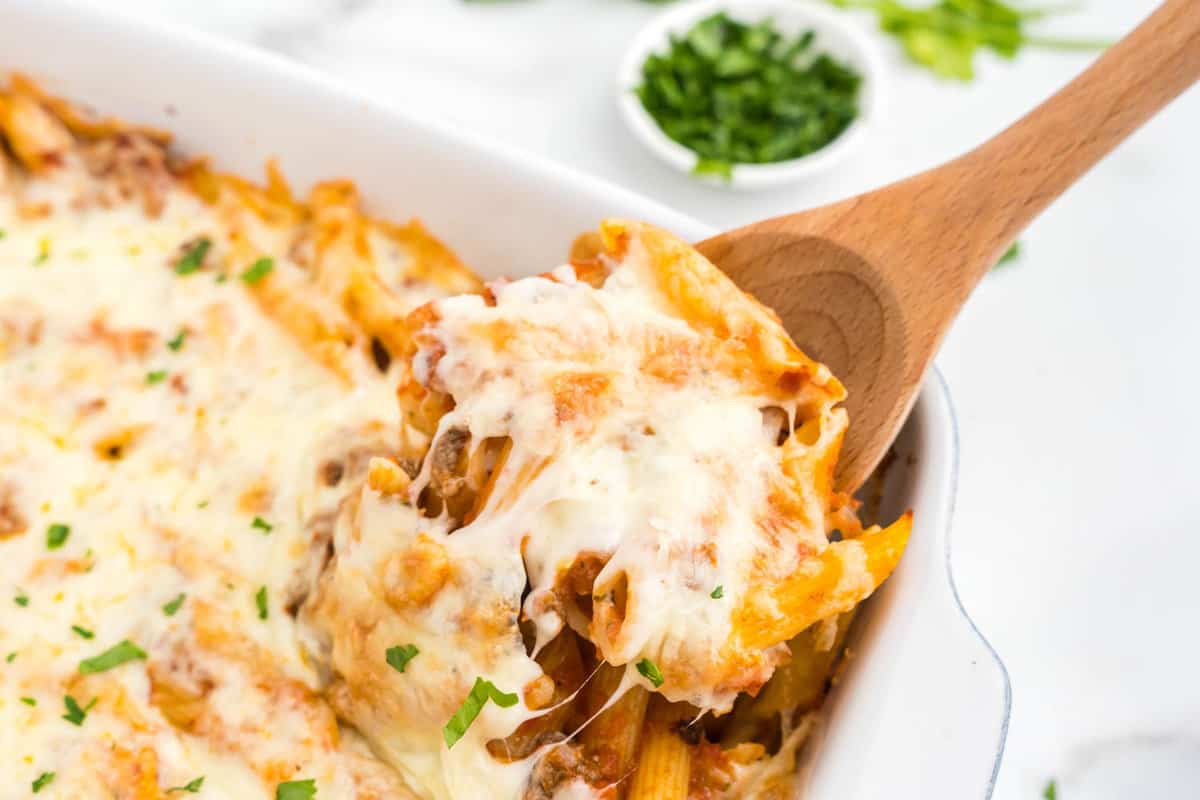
x: 834, y: 35
x: 923, y: 709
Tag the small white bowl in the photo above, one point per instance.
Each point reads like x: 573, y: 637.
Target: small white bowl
x: 835, y: 35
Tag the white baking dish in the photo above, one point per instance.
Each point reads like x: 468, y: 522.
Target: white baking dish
x: 923, y: 709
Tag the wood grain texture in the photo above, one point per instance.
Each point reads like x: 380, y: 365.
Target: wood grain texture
x: 870, y: 285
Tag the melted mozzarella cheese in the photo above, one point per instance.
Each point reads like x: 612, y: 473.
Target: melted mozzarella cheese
x: 160, y: 461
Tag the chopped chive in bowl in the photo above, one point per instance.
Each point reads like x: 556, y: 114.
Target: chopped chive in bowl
x: 736, y: 92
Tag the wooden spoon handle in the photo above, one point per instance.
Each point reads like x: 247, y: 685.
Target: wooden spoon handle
x: 1008, y: 181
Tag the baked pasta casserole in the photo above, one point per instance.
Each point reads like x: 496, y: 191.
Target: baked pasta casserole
x: 293, y: 505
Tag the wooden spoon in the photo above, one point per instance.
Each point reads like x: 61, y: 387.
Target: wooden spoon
x: 870, y: 285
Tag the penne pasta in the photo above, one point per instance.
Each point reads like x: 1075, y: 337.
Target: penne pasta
x: 611, y: 738
x: 844, y: 575
x: 664, y: 764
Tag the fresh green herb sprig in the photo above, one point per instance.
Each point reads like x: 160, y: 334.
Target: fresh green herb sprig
x: 746, y: 94
x: 114, y: 656
x: 481, y: 692
x: 296, y: 790
x: 945, y: 36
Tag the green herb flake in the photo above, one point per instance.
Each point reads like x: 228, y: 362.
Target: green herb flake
x: 1010, y: 255
x: 42, y: 781
x: 114, y: 656
x: 176, y: 343
x: 76, y: 715
x: 718, y: 593
x: 1051, y: 790
x: 262, y: 525
x: 193, y: 257
x: 84, y: 632
x: 736, y: 93
x: 399, y: 656
x: 11, y: 657
x: 29, y: 701
x: 157, y: 376
x: 715, y: 167
x: 192, y: 786
x: 170, y: 608
x: 56, y: 535
x: 260, y: 600
x: 258, y: 270
x: 481, y: 692
x: 3, y: 233
x: 296, y: 790
x: 650, y: 672
x: 43, y: 254
x: 22, y: 600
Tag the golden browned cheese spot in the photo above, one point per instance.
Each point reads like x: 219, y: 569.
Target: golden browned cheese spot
x: 34, y: 211
x: 132, y: 166
x: 179, y: 690
x: 387, y: 477
x: 12, y: 521
x: 123, y: 343
x: 131, y: 775
x: 414, y: 575
x: 116, y: 445
x: 580, y: 395
x: 257, y: 497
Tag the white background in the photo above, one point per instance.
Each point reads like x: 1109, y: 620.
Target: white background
x: 1074, y: 370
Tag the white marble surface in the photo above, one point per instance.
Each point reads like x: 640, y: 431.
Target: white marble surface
x: 1074, y: 371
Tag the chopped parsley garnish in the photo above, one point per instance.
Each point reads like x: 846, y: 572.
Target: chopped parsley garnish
x: 176, y: 343
x: 400, y: 655
x: 735, y: 93
x: 1051, y: 790
x: 1011, y: 254
x: 84, y: 632
x: 56, y: 535
x: 192, y: 786
x: 481, y: 692
x: 260, y: 600
x: 170, y: 608
x: 76, y: 715
x: 193, y: 259
x: 650, y: 672
x: 42, y: 781
x: 11, y: 657
x: 258, y: 270
x: 945, y: 36
x: 29, y: 701
x: 114, y: 656
x: 3, y: 233
x: 296, y: 790
x: 262, y: 525
x: 718, y: 592
x: 22, y: 600
x: 157, y: 376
